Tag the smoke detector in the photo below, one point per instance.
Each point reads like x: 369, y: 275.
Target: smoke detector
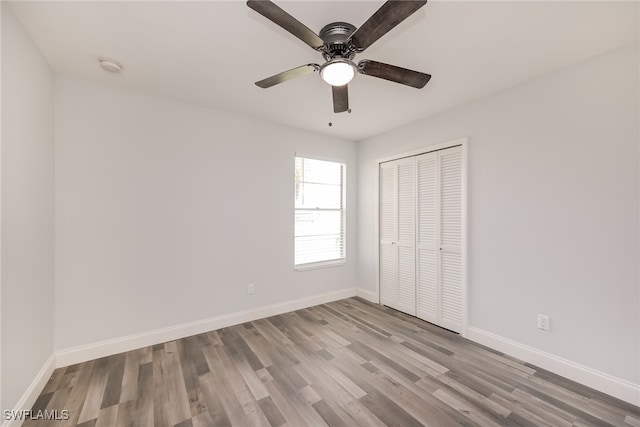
x: 110, y: 65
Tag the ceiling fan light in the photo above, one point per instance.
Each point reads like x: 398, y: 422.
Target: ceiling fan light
x: 337, y: 72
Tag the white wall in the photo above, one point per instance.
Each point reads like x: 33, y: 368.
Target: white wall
x: 553, y: 196
x: 165, y: 212
x: 27, y: 211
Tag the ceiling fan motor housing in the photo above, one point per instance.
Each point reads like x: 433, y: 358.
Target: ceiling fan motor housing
x: 335, y: 37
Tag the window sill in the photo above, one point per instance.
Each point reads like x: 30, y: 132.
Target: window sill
x: 322, y: 264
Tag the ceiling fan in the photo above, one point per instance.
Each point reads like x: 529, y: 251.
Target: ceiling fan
x: 339, y: 42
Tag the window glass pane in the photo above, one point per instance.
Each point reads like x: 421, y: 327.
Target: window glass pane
x: 311, y: 196
x: 299, y: 169
x: 318, y: 248
x: 321, y: 171
x: 317, y: 223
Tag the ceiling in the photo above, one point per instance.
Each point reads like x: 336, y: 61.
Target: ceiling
x: 209, y: 53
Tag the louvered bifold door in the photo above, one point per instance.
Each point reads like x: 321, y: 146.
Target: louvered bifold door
x: 406, y: 190
x: 427, y: 209
x: 421, y: 227
x: 451, y: 294
x: 387, y: 224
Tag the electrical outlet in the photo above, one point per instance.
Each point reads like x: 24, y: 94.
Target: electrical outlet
x: 250, y: 289
x: 543, y: 322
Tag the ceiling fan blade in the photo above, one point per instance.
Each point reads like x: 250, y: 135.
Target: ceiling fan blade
x: 274, y: 13
x: 394, y: 74
x: 340, y: 98
x: 382, y: 21
x: 287, y: 75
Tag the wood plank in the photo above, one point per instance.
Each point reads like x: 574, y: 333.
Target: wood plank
x: 161, y: 415
x: 125, y: 413
x: 289, y: 410
x: 107, y: 417
x: 130, y: 376
x: 143, y: 409
x: 180, y: 408
x: 330, y: 391
x: 95, y: 392
x: 635, y: 422
x: 465, y: 409
x: 115, y: 373
x: 216, y: 413
x: 272, y: 412
x: 329, y: 415
x: 218, y: 380
x: 517, y: 407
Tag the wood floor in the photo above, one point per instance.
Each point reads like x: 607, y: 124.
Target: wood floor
x: 346, y: 363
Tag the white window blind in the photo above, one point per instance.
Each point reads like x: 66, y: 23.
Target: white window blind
x: 319, y: 212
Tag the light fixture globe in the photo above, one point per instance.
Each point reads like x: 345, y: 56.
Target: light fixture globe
x: 338, y: 72
x: 110, y: 65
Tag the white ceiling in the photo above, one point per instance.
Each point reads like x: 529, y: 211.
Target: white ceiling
x: 209, y: 53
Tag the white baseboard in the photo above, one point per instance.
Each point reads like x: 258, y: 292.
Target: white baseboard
x: 84, y: 353
x: 616, y: 387
x: 368, y: 295
x: 33, y: 391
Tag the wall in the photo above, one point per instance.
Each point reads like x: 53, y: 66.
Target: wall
x: 553, y: 208
x: 27, y: 211
x: 165, y: 212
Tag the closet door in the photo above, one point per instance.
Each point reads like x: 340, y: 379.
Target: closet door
x: 406, y: 243
x: 428, y: 238
x: 451, y: 293
x: 439, y: 297
x: 387, y: 229
x: 397, y: 235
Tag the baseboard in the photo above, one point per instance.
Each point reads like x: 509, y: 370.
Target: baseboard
x: 84, y: 353
x: 616, y: 387
x: 30, y: 396
x: 368, y: 295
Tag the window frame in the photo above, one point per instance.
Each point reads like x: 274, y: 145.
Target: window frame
x: 343, y: 187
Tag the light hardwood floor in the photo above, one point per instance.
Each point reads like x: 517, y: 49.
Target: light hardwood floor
x: 346, y: 363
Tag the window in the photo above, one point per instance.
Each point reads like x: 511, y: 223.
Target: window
x: 319, y: 213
